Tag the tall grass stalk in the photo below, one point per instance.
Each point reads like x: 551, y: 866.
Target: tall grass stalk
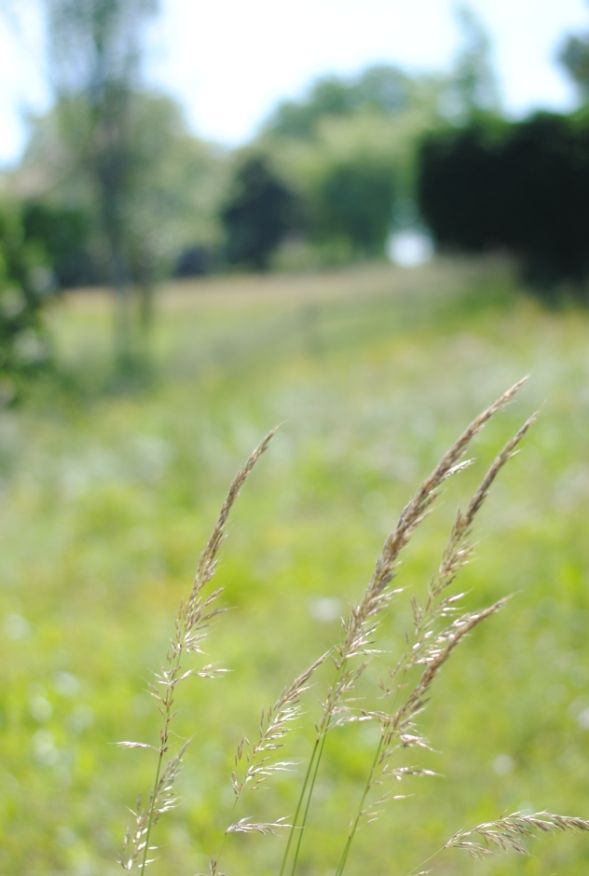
x: 439, y: 627
x: 190, y: 629
x: 419, y: 650
x: 507, y: 834
x: 361, y: 625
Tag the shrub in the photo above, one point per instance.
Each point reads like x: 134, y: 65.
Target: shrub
x: 65, y: 234
x: 520, y: 187
x: 258, y: 214
x: 25, y: 285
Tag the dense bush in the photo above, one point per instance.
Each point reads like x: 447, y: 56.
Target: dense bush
x: 65, y: 233
x: 194, y: 261
x: 25, y: 285
x: 521, y: 187
x: 258, y: 214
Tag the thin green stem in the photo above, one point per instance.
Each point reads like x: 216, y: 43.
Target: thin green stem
x: 354, y: 827
x: 151, y: 809
x: 320, y: 747
x: 302, y: 794
x: 419, y: 869
x: 223, y: 842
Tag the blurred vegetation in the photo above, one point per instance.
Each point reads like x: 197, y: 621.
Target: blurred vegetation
x: 107, y: 494
x: 25, y: 284
x: 573, y: 55
x: 108, y: 497
x: 473, y: 87
x: 180, y: 182
x: 259, y: 212
x: 116, y: 190
x: 522, y: 188
x: 383, y: 89
x: 66, y: 236
x: 94, y: 53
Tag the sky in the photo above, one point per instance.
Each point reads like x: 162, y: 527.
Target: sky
x: 228, y: 62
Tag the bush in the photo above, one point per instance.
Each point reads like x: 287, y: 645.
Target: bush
x: 25, y: 286
x: 258, y: 214
x: 194, y: 261
x: 65, y: 235
x: 520, y: 187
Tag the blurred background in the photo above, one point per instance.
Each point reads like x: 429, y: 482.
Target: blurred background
x: 360, y: 220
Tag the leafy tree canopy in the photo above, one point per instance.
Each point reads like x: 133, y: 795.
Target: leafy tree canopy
x: 573, y: 56
x: 383, y: 89
x: 472, y: 86
x: 178, y: 182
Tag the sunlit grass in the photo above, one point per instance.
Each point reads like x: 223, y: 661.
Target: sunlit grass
x: 107, y: 496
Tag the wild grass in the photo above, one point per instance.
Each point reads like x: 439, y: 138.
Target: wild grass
x: 107, y: 496
x: 440, y: 625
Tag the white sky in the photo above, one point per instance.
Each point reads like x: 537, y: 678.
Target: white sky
x: 229, y: 61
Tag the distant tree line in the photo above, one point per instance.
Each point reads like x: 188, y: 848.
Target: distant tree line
x: 114, y: 190
x: 120, y: 192
x: 323, y: 189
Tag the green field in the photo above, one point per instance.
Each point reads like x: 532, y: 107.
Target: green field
x: 108, y: 494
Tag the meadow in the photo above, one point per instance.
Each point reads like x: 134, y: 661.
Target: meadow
x: 109, y: 492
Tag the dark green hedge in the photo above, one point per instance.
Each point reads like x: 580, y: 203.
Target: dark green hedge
x: 519, y: 187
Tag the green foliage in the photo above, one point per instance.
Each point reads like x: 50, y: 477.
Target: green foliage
x: 460, y: 185
x: 381, y: 88
x: 573, y: 55
x: 24, y: 288
x: 178, y: 182
x: 348, y: 149
x: 106, y: 502
x: 522, y: 187
x: 259, y: 212
x: 95, y: 54
x: 472, y: 86
x: 351, y: 187
x: 66, y: 236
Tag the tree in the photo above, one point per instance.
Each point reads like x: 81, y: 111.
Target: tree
x: 348, y: 148
x: 474, y: 85
x: 461, y: 186
x: 350, y: 176
x: 259, y: 212
x: 521, y: 187
x: 95, y: 61
x: 573, y: 55
x: 383, y: 89
x: 178, y: 182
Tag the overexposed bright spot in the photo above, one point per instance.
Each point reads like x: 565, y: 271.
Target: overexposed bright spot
x: 80, y: 719
x: 17, y: 627
x: 325, y: 609
x: 44, y: 748
x: 410, y: 248
x: 40, y: 708
x: 503, y: 764
x: 67, y: 684
x: 583, y: 719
